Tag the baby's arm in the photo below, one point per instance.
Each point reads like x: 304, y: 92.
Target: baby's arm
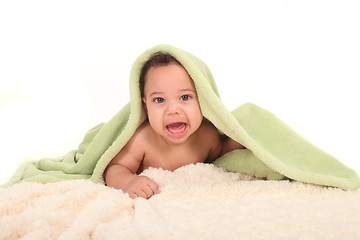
x: 120, y: 173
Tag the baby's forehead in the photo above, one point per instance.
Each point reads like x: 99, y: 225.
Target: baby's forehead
x: 169, y: 78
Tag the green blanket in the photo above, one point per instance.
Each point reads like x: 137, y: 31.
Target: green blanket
x: 273, y: 150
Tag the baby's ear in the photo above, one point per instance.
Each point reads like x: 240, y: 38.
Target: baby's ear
x: 144, y: 105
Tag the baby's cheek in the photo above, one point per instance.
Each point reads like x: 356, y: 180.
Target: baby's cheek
x: 155, y: 119
x: 196, y: 115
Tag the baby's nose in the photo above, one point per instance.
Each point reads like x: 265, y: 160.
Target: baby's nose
x: 173, y: 108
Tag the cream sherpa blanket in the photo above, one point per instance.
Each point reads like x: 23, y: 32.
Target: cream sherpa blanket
x: 196, y: 202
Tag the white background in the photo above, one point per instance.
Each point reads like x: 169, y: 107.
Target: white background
x: 64, y: 66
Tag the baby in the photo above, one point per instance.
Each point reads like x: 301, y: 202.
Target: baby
x: 174, y: 135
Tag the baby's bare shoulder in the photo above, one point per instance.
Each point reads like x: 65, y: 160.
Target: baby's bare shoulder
x: 208, y: 134
x: 141, y: 134
x: 208, y: 130
x: 210, y: 139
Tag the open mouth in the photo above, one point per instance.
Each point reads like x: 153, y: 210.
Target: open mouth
x: 177, y: 129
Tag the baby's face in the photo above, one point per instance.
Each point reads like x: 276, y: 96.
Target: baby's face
x: 171, y: 103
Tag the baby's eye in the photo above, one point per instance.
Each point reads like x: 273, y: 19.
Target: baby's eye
x: 185, y: 97
x: 159, y: 100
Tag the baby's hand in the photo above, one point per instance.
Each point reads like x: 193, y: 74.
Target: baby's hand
x: 141, y: 186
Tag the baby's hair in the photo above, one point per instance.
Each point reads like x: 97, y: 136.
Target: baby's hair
x: 157, y: 59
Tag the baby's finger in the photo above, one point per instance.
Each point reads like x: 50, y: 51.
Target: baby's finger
x: 154, y: 187
x: 148, y: 191
x: 133, y: 195
x: 141, y: 193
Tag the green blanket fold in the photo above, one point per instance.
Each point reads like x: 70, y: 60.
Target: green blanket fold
x: 274, y: 150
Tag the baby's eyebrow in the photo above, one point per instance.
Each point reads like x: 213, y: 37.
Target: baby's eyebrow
x: 155, y: 93
x: 187, y: 90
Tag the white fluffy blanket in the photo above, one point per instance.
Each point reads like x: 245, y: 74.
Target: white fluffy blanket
x: 196, y: 202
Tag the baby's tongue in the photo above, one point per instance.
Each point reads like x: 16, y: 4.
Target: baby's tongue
x: 176, y: 127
